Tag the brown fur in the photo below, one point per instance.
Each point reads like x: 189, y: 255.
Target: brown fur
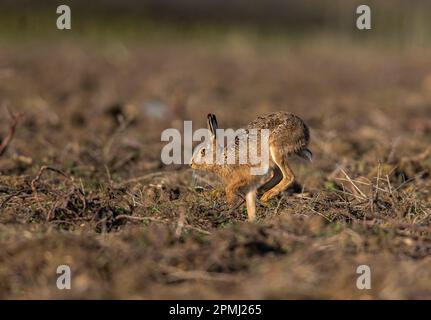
x: 288, y: 135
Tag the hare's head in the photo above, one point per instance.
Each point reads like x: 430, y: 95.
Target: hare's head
x: 204, y: 155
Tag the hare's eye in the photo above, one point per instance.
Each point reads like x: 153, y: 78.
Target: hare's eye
x: 202, y: 152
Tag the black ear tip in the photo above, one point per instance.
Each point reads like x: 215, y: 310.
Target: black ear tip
x: 212, y: 117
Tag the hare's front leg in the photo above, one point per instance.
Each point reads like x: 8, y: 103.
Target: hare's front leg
x: 287, y: 179
x: 251, y: 204
x: 232, y: 187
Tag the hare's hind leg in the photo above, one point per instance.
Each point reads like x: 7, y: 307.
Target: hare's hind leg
x: 288, y: 177
x: 272, y: 182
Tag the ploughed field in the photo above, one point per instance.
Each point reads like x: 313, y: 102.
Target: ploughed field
x: 82, y: 182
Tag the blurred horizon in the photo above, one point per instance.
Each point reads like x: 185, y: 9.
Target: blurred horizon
x: 395, y: 21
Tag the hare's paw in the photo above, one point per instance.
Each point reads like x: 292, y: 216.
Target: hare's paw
x: 267, y: 196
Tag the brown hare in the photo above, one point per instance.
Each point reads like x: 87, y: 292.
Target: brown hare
x: 287, y: 135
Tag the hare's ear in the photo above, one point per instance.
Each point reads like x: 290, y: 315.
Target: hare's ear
x: 215, y: 124
x: 212, y: 124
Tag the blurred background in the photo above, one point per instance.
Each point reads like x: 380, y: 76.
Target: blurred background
x: 396, y: 19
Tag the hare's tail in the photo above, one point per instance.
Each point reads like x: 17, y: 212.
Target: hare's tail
x: 306, y: 154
